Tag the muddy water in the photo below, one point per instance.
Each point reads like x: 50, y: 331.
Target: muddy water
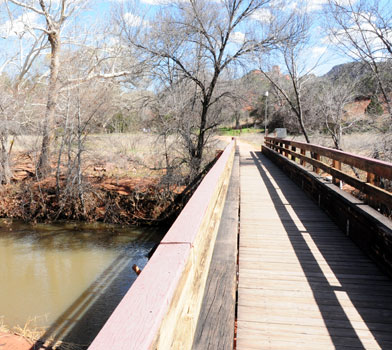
x: 67, y: 277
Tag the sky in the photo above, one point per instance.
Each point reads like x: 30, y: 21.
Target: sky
x: 321, y: 49
x: 322, y: 54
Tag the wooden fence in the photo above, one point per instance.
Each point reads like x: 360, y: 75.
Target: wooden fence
x: 331, y: 161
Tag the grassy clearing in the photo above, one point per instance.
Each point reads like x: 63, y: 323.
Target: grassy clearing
x: 112, y: 155
x: 116, y: 155
x: 130, y: 155
x: 357, y: 143
x: 238, y: 132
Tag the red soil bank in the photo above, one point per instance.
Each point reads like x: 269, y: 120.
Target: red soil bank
x: 13, y: 342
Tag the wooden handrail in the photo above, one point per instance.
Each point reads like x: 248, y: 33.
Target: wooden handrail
x: 376, y: 170
x: 374, y: 166
x: 161, y: 309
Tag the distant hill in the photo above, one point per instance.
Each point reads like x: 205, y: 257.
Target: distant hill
x: 351, y: 70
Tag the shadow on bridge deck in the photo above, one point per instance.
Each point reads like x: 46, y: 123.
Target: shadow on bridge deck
x: 352, y: 295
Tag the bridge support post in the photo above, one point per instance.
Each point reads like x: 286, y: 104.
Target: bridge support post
x: 303, y: 152
x: 337, y: 165
x: 317, y: 157
x: 371, y: 179
x: 294, y: 149
x: 286, y: 146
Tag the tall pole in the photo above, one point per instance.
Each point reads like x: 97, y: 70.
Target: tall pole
x: 266, y: 115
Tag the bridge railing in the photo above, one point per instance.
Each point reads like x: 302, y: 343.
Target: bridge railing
x: 373, y: 179
x: 161, y: 309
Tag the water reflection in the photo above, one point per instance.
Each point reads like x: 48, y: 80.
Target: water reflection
x: 73, y: 275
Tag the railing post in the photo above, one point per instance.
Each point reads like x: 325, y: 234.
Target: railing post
x: 286, y: 154
x: 337, y: 165
x: 317, y: 157
x: 371, y: 179
x: 303, y: 152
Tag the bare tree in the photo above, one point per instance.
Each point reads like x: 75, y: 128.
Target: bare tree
x: 55, y: 14
x: 17, y: 85
x: 242, y: 95
x: 331, y: 99
x: 363, y: 31
x: 101, y: 61
x: 294, y: 52
x: 197, y: 42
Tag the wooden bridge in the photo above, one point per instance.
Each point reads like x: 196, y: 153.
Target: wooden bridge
x: 253, y: 262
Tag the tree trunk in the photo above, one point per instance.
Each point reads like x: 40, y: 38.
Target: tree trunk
x: 43, y: 166
x: 237, y: 117
x: 6, y: 174
x: 79, y: 161
x: 198, y: 156
x: 302, y: 125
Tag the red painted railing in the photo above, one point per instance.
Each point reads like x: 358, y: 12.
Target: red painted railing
x: 161, y: 308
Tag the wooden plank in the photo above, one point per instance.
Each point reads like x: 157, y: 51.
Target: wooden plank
x: 310, y: 330
x: 251, y: 296
x: 279, y: 339
x: 215, y: 326
x: 302, y: 283
x: 367, y: 227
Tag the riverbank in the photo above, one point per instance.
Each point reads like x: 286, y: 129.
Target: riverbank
x: 9, y: 341
x: 111, y: 200
x: 122, y: 180
x: 101, y: 193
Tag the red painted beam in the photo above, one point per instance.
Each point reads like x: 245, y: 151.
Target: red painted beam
x: 136, y: 321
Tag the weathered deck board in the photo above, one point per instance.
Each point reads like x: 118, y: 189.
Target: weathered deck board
x: 302, y: 283
x: 215, y: 327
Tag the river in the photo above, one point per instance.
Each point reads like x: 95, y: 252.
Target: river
x: 67, y: 277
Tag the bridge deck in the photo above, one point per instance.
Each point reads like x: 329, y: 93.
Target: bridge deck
x: 302, y: 283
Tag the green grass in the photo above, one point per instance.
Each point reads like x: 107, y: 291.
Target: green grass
x: 224, y: 131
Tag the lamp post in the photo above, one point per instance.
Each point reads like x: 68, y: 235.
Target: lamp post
x: 265, y: 117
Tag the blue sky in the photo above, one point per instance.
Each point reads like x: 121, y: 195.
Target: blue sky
x: 320, y: 52
x: 99, y: 11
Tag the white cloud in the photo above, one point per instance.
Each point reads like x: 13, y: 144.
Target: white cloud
x: 315, y: 5
x: 237, y: 37
x: 364, y: 31
x: 345, y: 2
x: 148, y: 2
x: 134, y: 21
x: 262, y: 15
x: 19, y: 25
x: 318, y: 51
x: 159, y: 2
